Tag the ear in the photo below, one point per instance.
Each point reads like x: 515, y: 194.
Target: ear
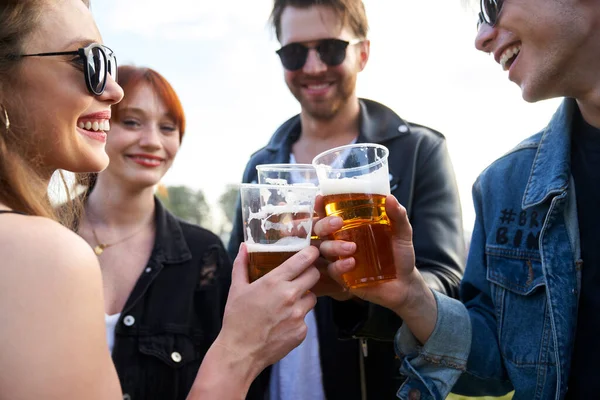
x: 364, y: 51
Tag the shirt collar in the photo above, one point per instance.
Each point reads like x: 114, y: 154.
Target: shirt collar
x: 550, y: 171
x: 378, y: 124
x: 170, y: 245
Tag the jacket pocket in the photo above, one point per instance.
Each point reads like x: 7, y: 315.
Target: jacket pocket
x: 518, y: 290
x: 168, y: 366
x: 174, y: 350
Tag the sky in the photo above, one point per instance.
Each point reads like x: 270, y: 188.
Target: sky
x: 220, y: 58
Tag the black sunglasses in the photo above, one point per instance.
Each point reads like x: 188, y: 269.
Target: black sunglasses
x: 332, y: 52
x: 490, y: 10
x: 99, y: 61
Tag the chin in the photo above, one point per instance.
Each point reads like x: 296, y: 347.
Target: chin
x: 143, y: 181
x: 533, y: 95
x: 94, y: 163
x: 320, y: 111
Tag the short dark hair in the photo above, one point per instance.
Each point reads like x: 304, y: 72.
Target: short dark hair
x: 350, y: 12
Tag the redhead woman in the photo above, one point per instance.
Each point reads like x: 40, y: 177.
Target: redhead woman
x: 57, y: 86
x: 165, y: 280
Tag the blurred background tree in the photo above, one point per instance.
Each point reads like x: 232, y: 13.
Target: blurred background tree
x: 187, y: 204
x: 227, y: 203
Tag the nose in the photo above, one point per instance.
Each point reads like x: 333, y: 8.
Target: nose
x: 150, y: 137
x: 113, y: 93
x: 486, y: 35
x: 313, y: 64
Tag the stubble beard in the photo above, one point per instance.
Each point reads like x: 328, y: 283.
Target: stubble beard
x: 328, y: 109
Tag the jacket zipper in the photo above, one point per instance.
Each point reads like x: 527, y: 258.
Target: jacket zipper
x: 363, y: 352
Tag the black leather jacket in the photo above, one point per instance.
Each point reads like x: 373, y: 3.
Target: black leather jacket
x: 174, y: 312
x: 422, y: 179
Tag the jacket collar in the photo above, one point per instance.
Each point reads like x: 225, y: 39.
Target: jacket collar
x: 551, y: 166
x: 378, y: 124
x: 170, y: 246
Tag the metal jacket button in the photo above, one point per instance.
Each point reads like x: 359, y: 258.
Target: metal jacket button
x: 129, y: 320
x: 175, y: 356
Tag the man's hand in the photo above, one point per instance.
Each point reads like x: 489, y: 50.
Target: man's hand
x: 408, y: 294
x: 331, y: 251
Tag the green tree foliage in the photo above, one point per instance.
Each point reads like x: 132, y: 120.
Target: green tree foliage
x: 185, y: 203
x: 228, y: 201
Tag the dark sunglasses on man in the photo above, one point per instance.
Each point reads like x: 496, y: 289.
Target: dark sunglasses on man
x: 98, y: 62
x: 332, y: 52
x: 490, y: 10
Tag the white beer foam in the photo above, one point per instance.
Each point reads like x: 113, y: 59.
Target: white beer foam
x: 287, y: 224
x: 282, y: 245
x: 271, y: 209
x: 374, y: 183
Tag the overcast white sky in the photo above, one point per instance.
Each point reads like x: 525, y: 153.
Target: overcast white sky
x: 219, y: 56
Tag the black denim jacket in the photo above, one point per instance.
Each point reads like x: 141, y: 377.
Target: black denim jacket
x: 174, y: 312
x: 422, y: 179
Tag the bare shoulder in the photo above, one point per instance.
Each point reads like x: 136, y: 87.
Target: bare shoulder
x: 51, y: 294
x: 40, y: 243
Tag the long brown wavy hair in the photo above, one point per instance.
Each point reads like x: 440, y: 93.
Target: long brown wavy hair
x: 22, y: 185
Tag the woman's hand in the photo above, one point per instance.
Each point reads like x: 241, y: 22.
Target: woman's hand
x: 263, y: 322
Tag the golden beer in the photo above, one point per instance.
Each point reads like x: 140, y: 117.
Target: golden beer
x: 263, y: 258
x: 260, y: 263
x: 366, y: 224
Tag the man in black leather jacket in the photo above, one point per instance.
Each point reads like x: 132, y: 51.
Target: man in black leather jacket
x: 348, y: 365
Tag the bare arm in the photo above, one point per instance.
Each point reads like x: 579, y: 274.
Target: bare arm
x: 52, y: 341
x: 263, y: 322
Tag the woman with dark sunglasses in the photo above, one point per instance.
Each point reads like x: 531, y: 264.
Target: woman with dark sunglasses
x: 57, y: 84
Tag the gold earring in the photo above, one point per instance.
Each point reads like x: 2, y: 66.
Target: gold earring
x: 6, y: 120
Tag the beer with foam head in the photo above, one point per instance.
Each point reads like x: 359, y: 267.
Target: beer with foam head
x: 277, y: 223
x: 358, y: 197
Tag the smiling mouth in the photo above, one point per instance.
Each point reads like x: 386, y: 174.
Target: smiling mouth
x: 147, y: 161
x: 509, y: 56
x: 317, y: 87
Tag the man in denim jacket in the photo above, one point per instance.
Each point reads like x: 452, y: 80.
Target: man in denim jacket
x: 528, y: 321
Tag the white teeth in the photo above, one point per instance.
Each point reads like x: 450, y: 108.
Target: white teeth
x: 507, y: 55
x: 100, y: 125
x: 148, y: 160
x: 317, y: 87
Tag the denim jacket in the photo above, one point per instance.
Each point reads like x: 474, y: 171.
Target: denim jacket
x: 173, y: 313
x: 521, y: 284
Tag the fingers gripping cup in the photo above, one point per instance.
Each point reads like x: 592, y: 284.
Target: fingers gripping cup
x: 354, y: 182
x: 277, y: 223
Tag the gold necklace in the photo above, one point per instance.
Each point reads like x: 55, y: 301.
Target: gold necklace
x: 100, y: 247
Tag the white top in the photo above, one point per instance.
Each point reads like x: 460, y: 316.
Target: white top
x: 111, y: 322
x: 298, y: 375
